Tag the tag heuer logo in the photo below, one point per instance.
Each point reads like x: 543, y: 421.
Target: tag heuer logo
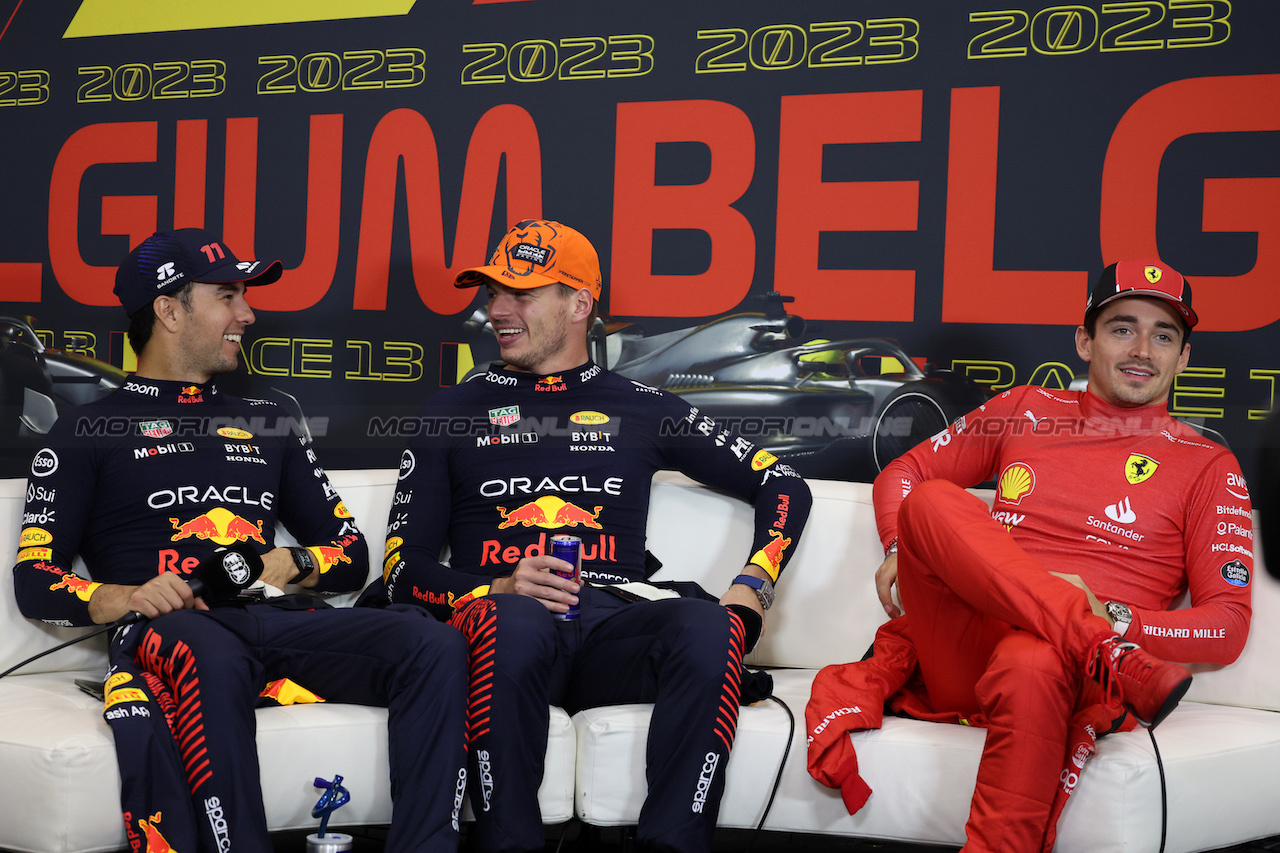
x: 156, y: 429
x: 504, y: 416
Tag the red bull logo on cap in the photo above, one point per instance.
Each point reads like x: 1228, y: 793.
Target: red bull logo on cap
x: 550, y: 512
x: 218, y: 525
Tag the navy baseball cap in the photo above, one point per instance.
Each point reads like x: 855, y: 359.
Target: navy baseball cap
x: 167, y: 260
x: 1143, y: 277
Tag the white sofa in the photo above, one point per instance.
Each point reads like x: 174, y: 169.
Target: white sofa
x: 59, y: 785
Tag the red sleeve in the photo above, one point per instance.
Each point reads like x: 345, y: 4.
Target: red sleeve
x: 966, y: 453
x: 1219, y: 560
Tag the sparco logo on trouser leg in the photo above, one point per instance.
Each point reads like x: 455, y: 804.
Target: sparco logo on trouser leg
x: 458, y: 793
x: 711, y: 762
x: 486, y: 777
x: 218, y: 823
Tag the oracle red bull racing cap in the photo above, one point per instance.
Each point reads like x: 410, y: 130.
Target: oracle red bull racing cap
x: 167, y: 260
x: 538, y: 252
x: 1143, y: 277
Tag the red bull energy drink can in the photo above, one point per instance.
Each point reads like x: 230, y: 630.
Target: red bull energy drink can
x: 569, y: 549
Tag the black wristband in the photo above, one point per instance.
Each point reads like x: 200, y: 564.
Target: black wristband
x: 304, y: 561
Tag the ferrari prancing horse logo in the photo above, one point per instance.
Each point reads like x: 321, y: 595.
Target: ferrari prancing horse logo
x: 1139, y: 468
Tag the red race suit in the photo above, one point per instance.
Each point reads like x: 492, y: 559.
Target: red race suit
x: 1141, y: 507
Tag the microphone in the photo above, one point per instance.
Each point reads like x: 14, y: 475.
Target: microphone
x: 220, y: 576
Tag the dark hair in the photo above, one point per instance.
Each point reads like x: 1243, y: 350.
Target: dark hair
x: 1091, y: 325
x: 143, y: 322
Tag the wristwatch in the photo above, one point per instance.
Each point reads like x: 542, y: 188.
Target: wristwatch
x: 762, y: 586
x: 1120, y: 615
x: 304, y: 561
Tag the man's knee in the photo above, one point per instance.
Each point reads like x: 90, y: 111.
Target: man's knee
x: 414, y: 634
x: 516, y: 630
x: 700, y: 633
x: 1026, y: 678
x: 935, y: 505
x: 187, y: 639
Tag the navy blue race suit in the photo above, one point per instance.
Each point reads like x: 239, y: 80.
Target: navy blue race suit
x: 151, y: 479
x: 499, y: 466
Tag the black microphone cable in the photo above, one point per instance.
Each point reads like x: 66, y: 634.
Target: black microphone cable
x: 777, y: 780
x: 1164, y: 792
x: 61, y: 646
x: 222, y: 575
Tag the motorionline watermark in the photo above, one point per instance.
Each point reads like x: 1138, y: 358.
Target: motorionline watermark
x: 188, y: 426
x: 799, y: 426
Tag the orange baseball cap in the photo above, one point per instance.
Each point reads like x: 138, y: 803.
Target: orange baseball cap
x: 538, y: 252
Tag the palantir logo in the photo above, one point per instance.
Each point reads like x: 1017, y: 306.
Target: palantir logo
x: 1122, y: 512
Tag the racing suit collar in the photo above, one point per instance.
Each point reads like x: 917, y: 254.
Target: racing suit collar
x: 1099, y: 412
x: 562, y: 381
x: 171, y: 391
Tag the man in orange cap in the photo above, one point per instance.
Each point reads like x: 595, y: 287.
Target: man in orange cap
x: 549, y: 443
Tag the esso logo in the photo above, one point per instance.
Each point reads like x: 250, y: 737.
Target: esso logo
x: 44, y: 463
x: 407, y: 464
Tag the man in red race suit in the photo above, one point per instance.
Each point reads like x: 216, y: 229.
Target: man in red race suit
x: 1106, y: 511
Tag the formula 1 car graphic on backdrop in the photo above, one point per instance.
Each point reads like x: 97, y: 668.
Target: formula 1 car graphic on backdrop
x: 38, y: 383
x: 835, y: 409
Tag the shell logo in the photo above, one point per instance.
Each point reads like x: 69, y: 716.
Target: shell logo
x: 1016, y: 481
x: 589, y: 418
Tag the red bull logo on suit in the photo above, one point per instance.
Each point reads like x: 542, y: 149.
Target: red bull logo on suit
x: 219, y: 525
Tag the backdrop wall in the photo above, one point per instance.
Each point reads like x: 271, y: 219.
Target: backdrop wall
x: 948, y: 174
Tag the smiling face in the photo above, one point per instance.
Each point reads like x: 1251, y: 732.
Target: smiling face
x: 208, y: 334
x: 539, y: 329
x: 1135, y: 352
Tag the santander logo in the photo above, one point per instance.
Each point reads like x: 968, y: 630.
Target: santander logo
x: 1122, y: 512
